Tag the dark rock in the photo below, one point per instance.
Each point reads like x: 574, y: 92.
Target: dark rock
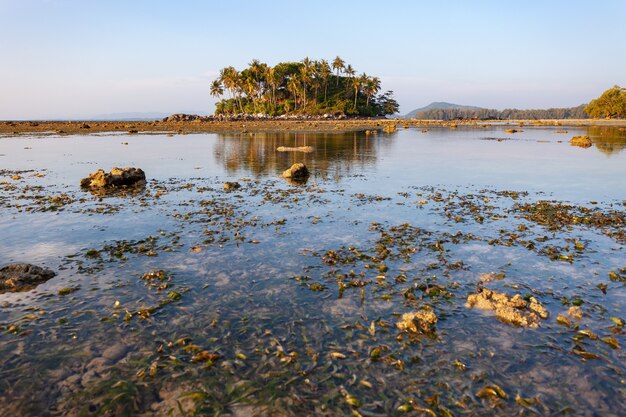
x: 22, y: 277
x: 231, y: 186
x: 297, y: 171
x: 118, y: 177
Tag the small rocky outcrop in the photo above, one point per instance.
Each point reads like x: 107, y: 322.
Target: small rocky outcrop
x: 581, y: 141
x: 511, y: 310
x: 22, y: 277
x: 297, y: 171
x: 117, y: 178
x: 231, y: 186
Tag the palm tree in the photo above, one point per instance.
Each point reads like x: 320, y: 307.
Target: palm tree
x: 350, y: 71
x: 305, y: 75
x: 371, y: 88
x: 272, y: 80
x: 231, y: 80
x: 250, y: 87
x: 293, y: 85
x: 357, y: 83
x: 324, y: 72
x: 255, y: 67
x: 216, y: 89
x: 338, y: 64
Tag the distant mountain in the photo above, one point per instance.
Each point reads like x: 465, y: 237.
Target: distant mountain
x: 439, y: 105
x: 134, y: 116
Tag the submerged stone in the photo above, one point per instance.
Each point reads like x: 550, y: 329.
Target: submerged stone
x: 22, y: 277
x: 511, y: 310
x: 422, y: 321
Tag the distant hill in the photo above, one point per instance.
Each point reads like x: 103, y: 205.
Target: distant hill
x: 439, y: 105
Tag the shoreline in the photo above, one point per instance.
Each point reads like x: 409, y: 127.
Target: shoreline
x: 52, y: 128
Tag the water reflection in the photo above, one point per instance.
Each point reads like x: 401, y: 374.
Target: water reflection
x: 334, y: 154
x: 608, y: 140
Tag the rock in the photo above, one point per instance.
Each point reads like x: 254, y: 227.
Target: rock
x: 231, y: 186
x: 114, y: 353
x: 297, y: 171
x: 118, y: 177
x: 581, y: 141
x: 422, y: 321
x: 511, y: 310
x: 180, y: 117
x: 305, y: 149
x: 22, y: 277
x: 512, y: 131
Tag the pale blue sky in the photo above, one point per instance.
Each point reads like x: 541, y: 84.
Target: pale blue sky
x: 75, y: 58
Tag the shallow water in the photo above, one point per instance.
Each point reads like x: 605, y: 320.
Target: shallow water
x: 287, y: 327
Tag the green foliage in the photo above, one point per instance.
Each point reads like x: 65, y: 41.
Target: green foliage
x: 306, y: 87
x: 611, y: 104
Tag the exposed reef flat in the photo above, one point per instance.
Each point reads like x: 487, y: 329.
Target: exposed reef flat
x: 209, y: 125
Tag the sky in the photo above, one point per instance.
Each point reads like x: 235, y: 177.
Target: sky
x: 79, y: 58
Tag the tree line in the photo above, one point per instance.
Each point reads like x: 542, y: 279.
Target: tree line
x: 307, y: 87
x: 506, y: 114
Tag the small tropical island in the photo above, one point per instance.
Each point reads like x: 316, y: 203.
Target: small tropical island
x: 307, y: 87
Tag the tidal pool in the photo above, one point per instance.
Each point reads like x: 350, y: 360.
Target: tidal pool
x: 283, y: 299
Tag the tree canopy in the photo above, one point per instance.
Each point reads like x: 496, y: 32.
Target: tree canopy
x: 611, y: 104
x: 306, y: 88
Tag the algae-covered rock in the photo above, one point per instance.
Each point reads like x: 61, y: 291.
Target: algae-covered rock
x: 296, y: 171
x: 21, y: 277
x: 511, y: 310
x: 422, y: 321
x: 118, y: 177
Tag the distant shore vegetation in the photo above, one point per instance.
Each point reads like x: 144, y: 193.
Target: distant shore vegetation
x: 506, y: 114
x: 308, y: 87
x: 610, y: 105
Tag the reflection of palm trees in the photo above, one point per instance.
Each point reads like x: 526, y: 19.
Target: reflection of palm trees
x: 335, y: 154
x: 609, y: 140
